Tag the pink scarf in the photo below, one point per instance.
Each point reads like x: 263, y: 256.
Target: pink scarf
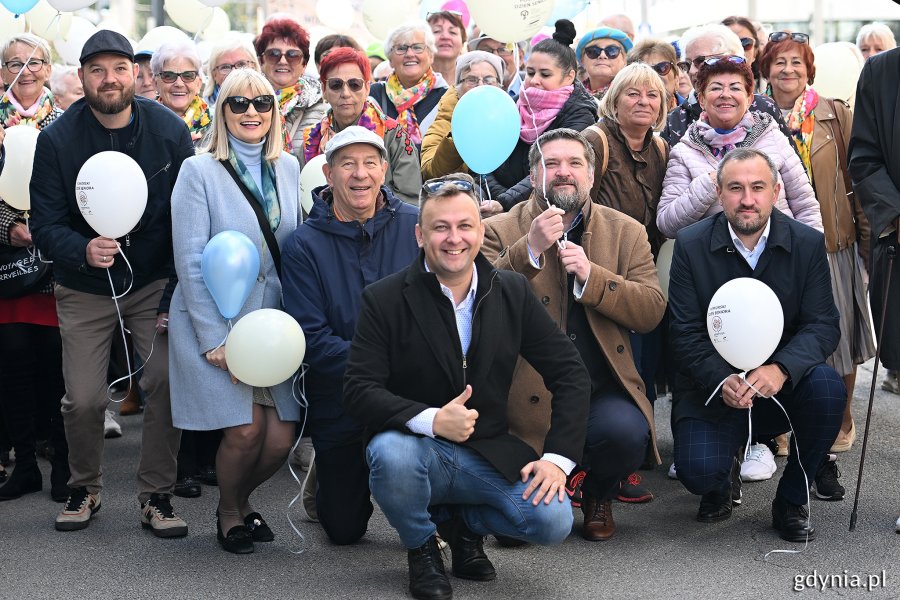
x: 538, y: 108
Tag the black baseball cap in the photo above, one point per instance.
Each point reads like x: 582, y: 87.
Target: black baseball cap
x: 107, y: 42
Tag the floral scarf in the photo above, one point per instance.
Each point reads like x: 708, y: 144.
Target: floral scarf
x: 372, y: 118
x: 303, y: 94
x: 720, y: 141
x: 198, y: 118
x: 12, y: 113
x: 801, y: 125
x: 538, y: 108
x: 405, y: 99
x: 268, y: 196
x: 598, y: 94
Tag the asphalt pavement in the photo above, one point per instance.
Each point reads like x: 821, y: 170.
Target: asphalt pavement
x: 659, y: 550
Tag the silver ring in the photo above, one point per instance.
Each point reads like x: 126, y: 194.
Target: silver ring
x: 104, y: 258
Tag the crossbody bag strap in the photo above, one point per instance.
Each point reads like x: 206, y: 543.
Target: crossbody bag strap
x: 264, y: 226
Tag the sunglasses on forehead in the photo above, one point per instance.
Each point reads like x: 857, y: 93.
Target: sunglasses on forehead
x: 239, y: 104
x: 780, y: 36
x: 732, y: 59
x: 433, y: 186
x: 594, y: 52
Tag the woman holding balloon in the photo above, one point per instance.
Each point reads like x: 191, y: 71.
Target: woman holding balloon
x: 240, y: 183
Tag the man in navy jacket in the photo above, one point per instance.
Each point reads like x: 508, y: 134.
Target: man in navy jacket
x: 749, y: 239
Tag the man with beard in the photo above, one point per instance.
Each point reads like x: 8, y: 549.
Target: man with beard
x: 592, y: 269
x: 87, y: 273
x: 710, y: 398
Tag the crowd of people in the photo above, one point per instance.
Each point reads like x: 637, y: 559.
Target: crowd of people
x: 484, y: 350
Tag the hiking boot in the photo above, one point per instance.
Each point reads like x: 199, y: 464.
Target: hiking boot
x: 157, y: 514
x: 79, y: 509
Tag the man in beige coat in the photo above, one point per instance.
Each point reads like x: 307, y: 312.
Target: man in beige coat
x: 591, y: 267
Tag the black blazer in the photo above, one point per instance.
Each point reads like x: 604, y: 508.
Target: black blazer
x: 406, y: 357
x: 793, y: 264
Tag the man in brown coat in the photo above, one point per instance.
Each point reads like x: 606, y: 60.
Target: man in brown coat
x: 592, y: 268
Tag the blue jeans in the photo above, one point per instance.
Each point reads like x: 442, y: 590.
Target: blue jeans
x: 408, y: 473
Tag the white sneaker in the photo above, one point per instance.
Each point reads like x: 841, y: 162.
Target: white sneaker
x: 672, y: 473
x: 111, y: 429
x: 760, y: 465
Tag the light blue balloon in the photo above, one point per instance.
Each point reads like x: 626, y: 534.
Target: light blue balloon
x: 18, y: 7
x: 230, y: 266
x: 567, y: 9
x: 485, y: 127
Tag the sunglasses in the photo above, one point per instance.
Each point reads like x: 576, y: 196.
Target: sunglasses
x: 698, y: 62
x: 433, y: 186
x: 780, y: 36
x: 732, y: 59
x: 172, y: 76
x: 336, y: 84
x: 663, y: 68
x: 293, y: 57
x: 594, y: 52
x: 747, y: 43
x: 226, y: 68
x: 239, y: 104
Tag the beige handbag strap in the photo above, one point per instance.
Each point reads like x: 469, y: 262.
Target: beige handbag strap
x: 604, y: 143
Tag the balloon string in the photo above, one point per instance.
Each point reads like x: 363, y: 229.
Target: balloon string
x: 56, y: 19
x: 224, y: 339
x: 123, y: 330
x: 304, y: 404
x: 212, y: 15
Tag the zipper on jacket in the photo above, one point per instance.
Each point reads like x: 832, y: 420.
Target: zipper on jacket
x: 164, y: 169
x: 465, y: 363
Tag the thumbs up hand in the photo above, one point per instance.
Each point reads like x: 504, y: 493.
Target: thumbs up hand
x: 454, y: 421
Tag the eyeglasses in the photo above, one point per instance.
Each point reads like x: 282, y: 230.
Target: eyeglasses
x: 274, y: 55
x: 472, y: 80
x: 594, y: 52
x: 732, y: 59
x: 433, y: 186
x: 34, y: 65
x: 172, y: 76
x: 226, y: 68
x: 505, y: 50
x: 747, y: 43
x: 239, y: 104
x: 336, y: 84
x: 663, y: 68
x: 401, y: 49
x: 780, y: 36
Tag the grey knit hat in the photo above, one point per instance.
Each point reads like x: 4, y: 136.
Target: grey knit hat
x: 474, y: 56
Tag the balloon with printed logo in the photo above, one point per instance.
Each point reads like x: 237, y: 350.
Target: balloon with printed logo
x: 15, y: 178
x: 69, y: 48
x: 230, y: 265
x: 379, y: 21
x: 10, y: 25
x: 485, y: 127
x: 745, y: 322
x: 265, y: 348
x: 45, y: 23
x: 566, y: 9
x: 311, y: 177
x: 458, y: 6
x: 111, y: 193
x: 18, y: 7
x: 510, y: 20
x: 663, y: 265
x: 190, y: 15
x: 336, y: 14
x: 70, y: 5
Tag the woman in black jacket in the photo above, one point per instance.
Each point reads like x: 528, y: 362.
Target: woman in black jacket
x: 551, y: 98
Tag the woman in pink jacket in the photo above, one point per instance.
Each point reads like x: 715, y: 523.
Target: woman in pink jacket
x: 725, y: 90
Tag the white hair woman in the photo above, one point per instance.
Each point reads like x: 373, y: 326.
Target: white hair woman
x: 231, y: 53
x: 875, y: 38
x: 177, y: 70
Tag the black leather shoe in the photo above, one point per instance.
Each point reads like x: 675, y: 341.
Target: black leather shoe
x: 467, y: 549
x: 508, y: 542
x: 427, y: 578
x: 207, y: 475
x: 187, y: 487
x: 259, y: 529
x: 238, y: 540
x: 791, y: 521
x: 715, y: 506
x: 25, y: 479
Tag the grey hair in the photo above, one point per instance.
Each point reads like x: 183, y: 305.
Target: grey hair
x: 727, y: 41
x: 408, y: 30
x: 535, y: 156
x: 30, y: 40
x: 742, y: 154
x: 466, y: 60
x: 445, y: 191
x: 228, y: 44
x: 172, y: 50
x: 58, y: 76
x: 879, y: 31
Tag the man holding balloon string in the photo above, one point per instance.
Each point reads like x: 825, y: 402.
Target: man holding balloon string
x: 749, y: 241
x: 124, y: 196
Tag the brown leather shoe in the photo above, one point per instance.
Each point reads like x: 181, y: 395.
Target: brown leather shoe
x: 131, y: 405
x: 599, y: 525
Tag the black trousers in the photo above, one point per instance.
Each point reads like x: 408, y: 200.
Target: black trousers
x: 342, y: 496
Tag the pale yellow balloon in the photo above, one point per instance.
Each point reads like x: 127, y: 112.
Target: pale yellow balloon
x: 218, y: 26
x: 15, y: 179
x: 838, y: 65
x: 44, y: 22
x: 10, y: 25
x: 265, y: 348
x: 190, y: 15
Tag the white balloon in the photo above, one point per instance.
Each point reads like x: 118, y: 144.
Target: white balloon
x: 336, y: 14
x: 311, y: 177
x: 745, y: 322
x: 70, y: 5
x: 217, y: 27
x: 190, y: 15
x: 69, y: 49
x: 16, y: 176
x: 111, y: 191
x: 10, y: 25
x: 44, y: 23
x: 214, y: 2
x: 265, y: 347
x: 380, y: 22
x: 838, y: 65
x: 663, y: 264
x: 510, y: 20
x: 158, y: 36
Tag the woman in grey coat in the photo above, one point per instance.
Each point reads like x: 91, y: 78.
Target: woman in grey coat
x: 257, y: 423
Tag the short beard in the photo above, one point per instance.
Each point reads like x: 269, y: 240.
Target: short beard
x: 112, y: 107
x: 570, y: 202
x: 749, y: 227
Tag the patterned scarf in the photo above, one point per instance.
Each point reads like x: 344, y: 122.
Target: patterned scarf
x: 303, y: 94
x: 720, y: 141
x: 801, y: 124
x: 197, y: 118
x: 268, y: 196
x: 598, y: 94
x: 538, y: 108
x: 372, y: 118
x: 405, y: 99
x: 12, y: 113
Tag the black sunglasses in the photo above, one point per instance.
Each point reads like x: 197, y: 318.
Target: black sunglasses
x: 240, y: 104
x: 433, y: 186
x: 732, y: 59
x: 747, y: 43
x: 780, y: 36
x: 663, y: 68
x: 293, y: 57
x: 335, y: 84
x: 594, y: 52
x: 172, y: 76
